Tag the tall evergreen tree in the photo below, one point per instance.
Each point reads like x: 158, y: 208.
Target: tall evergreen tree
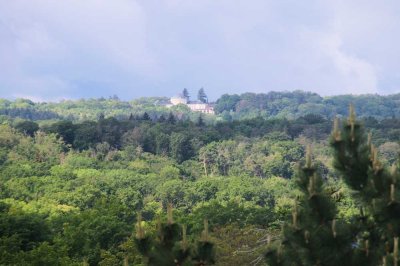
x: 202, y: 96
x: 185, y: 94
x: 171, y: 247
x: 377, y: 192
x: 314, y: 236
x: 146, y: 117
x: 371, y: 237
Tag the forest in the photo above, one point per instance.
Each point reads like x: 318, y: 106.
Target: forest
x: 283, y: 178
x: 228, y: 107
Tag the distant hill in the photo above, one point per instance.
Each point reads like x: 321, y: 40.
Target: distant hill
x: 299, y: 103
x: 290, y: 105
x: 83, y: 109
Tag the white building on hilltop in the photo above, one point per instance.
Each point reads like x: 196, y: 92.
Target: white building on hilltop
x: 179, y: 100
x: 196, y: 106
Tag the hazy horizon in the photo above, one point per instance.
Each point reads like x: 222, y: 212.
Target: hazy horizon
x: 193, y: 97
x: 53, y: 50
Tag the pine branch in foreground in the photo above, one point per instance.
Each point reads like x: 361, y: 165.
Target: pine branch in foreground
x: 314, y: 236
x: 171, y: 246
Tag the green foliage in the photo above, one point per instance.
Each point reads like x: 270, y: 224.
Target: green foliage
x: 236, y: 245
x: 369, y: 237
x: 171, y: 246
x: 290, y: 105
x: 202, y: 96
x: 71, y: 191
x: 27, y: 127
x: 314, y: 237
x: 262, y: 158
x: 64, y: 129
x: 226, y: 103
x: 185, y: 94
x: 298, y: 103
x: 356, y: 158
x: 86, y: 135
x: 9, y: 137
x: 180, y: 147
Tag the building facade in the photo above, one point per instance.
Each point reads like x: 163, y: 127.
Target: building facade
x: 205, y: 108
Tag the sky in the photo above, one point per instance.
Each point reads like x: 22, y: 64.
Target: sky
x: 68, y: 49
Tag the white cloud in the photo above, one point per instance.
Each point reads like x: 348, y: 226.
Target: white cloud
x: 55, y: 43
x: 357, y: 75
x: 368, y: 33
x: 133, y: 48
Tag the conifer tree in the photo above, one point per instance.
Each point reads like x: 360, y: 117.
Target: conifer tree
x: 146, y: 117
x: 202, y: 96
x: 314, y: 236
x: 185, y: 94
x: 171, y: 247
x: 377, y: 192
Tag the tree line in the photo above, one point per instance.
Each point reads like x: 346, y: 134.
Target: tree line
x: 289, y: 105
x: 77, y: 192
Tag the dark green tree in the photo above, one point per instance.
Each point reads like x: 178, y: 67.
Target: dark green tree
x: 202, y: 96
x: 180, y: 147
x: 376, y: 192
x: 109, y: 130
x: 314, y: 236
x: 146, y: 117
x: 200, y: 121
x: 185, y: 94
x: 101, y: 116
x: 64, y: 129
x: 171, y: 246
x: 226, y: 103
x: 86, y: 135
x: 171, y: 118
x: 27, y: 127
x: 161, y: 119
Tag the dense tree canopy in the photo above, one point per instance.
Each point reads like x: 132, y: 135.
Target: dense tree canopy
x: 71, y: 190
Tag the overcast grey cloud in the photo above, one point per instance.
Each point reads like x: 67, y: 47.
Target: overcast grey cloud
x: 51, y: 50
